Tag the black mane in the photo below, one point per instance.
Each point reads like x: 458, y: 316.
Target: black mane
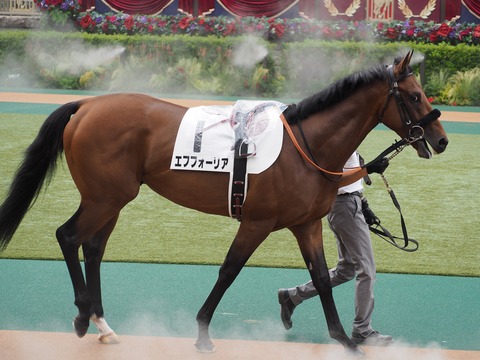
x: 334, y: 93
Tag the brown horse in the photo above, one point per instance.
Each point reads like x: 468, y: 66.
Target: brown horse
x: 115, y: 143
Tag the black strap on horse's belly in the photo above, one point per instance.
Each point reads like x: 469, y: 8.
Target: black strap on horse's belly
x: 239, y: 180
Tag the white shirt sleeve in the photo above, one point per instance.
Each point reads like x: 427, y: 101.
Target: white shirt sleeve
x: 352, y: 162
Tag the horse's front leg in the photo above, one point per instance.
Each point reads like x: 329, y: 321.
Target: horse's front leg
x: 310, y: 241
x: 245, y: 243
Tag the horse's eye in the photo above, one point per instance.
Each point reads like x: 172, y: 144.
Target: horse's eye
x: 415, y: 97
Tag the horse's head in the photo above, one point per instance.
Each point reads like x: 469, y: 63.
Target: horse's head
x: 411, y: 116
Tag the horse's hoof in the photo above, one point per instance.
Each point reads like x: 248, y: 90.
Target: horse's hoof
x: 205, y: 346
x: 81, y: 327
x: 109, y: 339
x: 355, y: 352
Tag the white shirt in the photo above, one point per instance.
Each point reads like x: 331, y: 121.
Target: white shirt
x: 352, y: 162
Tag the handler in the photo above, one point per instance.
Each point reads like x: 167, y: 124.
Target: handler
x: 355, y: 257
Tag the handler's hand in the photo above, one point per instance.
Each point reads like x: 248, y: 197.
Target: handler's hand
x: 378, y: 166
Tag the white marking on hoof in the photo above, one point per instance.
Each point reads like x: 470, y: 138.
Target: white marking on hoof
x: 106, y: 334
x: 109, y: 339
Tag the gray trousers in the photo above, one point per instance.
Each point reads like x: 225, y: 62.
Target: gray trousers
x: 355, y: 257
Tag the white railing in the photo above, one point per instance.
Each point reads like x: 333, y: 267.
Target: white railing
x: 23, y: 7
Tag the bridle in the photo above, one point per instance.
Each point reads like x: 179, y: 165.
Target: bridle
x: 394, y: 92
x: 415, y: 133
x: 415, y: 128
x: 398, y: 146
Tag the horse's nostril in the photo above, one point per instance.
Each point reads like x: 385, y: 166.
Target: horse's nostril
x: 443, y: 142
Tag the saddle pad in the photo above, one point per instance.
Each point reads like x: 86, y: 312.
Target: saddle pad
x: 205, y: 139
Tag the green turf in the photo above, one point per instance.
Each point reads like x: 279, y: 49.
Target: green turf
x: 439, y: 199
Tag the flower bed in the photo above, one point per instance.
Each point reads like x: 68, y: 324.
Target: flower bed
x: 281, y: 29
x: 297, y: 29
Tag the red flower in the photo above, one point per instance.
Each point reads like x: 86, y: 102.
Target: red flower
x: 86, y: 21
x: 380, y: 26
x: 391, y: 33
x: 230, y: 29
x: 463, y: 33
x: 201, y: 21
x: 279, y: 30
x: 476, y: 31
x: 431, y: 99
x: 433, y: 38
x: 129, y: 23
x: 183, y: 24
x: 444, y: 30
x: 410, y: 32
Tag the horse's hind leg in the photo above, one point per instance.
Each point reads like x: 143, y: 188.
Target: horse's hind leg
x: 93, y: 251
x: 310, y: 241
x: 91, y: 230
x: 69, y: 243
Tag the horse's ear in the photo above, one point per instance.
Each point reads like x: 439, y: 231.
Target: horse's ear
x: 403, y: 65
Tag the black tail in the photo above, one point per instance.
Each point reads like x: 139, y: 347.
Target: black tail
x: 38, y: 165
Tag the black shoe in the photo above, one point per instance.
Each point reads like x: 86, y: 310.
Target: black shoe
x: 373, y: 338
x: 286, y: 308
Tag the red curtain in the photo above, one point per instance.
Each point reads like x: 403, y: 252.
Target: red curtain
x: 452, y: 8
x: 308, y: 8
x: 204, y: 7
x: 147, y: 7
x: 473, y: 6
x: 87, y: 5
x: 269, y: 8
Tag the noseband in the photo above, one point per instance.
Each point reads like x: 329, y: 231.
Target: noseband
x: 416, y: 131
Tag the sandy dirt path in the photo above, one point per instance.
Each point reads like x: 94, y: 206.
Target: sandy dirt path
x: 22, y: 345
x: 62, y: 98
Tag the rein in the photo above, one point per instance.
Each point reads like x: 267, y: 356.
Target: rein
x: 313, y: 163
x: 395, y: 148
x: 385, y: 234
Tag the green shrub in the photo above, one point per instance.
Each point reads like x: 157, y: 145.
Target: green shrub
x: 205, y: 65
x: 464, y: 88
x: 436, y: 83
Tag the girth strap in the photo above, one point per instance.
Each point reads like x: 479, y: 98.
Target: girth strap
x: 239, y: 183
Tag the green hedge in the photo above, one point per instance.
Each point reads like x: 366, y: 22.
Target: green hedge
x: 204, y: 65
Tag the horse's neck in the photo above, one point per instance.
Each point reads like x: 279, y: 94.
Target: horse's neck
x: 335, y: 133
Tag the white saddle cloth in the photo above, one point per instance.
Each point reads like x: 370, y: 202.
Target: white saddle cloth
x: 206, y: 137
